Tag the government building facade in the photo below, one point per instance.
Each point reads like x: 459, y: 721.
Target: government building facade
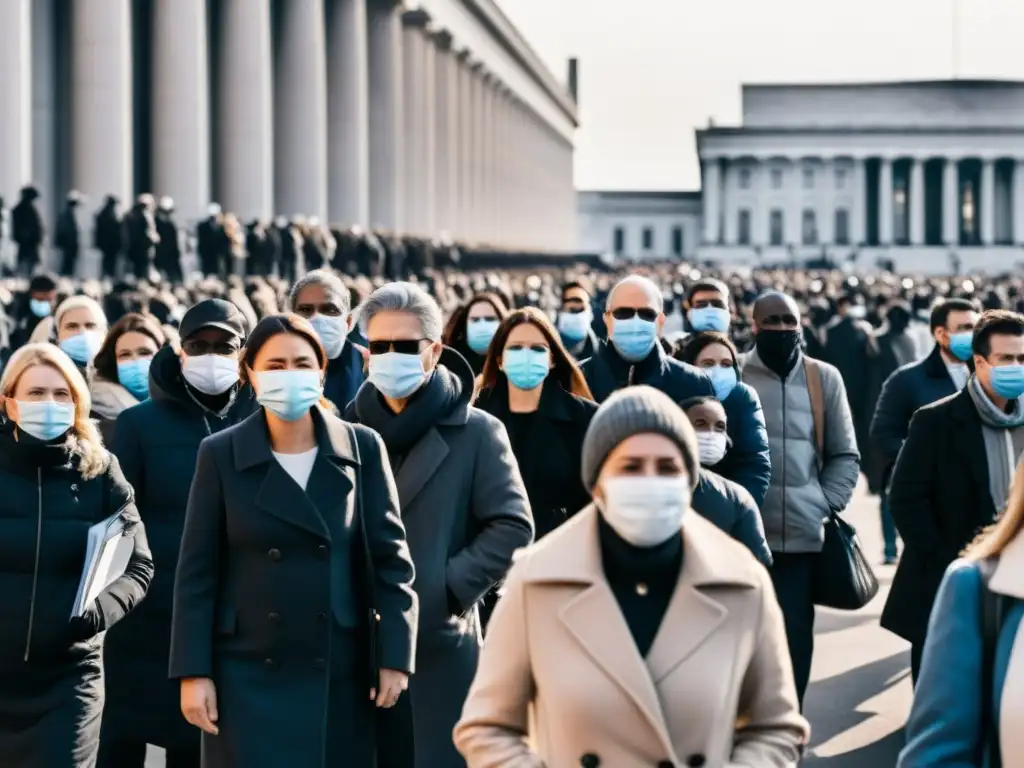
x: 436, y: 117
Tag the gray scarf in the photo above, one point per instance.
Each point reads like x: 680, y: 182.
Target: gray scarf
x: 1004, y: 440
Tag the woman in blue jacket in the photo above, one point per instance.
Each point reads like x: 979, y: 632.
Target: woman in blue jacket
x: 969, y: 699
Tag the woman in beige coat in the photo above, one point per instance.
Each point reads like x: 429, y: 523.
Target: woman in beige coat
x: 637, y: 635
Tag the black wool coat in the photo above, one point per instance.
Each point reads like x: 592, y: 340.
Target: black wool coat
x: 253, y: 593
x: 157, y: 442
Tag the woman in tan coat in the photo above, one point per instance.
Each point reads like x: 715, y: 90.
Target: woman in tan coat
x: 636, y: 635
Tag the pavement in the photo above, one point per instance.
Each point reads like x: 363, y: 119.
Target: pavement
x: 860, y: 690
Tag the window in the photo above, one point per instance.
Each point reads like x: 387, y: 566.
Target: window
x: 842, y: 236
x: 808, y: 178
x: 744, y: 178
x: 776, y: 227
x: 809, y: 225
x: 743, y: 227
x: 648, y: 239
x: 677, y: 240
x: 840, y: 178
x: 776, y: 178
x: 619, y: 241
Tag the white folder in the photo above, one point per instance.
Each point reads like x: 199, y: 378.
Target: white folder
x: 108, y: 550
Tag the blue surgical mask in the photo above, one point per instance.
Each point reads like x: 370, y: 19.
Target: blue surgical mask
x: 526, y: 368
x: 574, y: 326
x: 960, y: 345
x: 396, y: 375
x: 1008, y: 381
x: 332, y: 332
x: 723, y: 380
x: 45, y: 420
x: 39, y: 308
x: 289, y: 394
x: 134, y: 376
x: 82, y: 347
x: 479, y: 334
x: 710, y: 319
x: 634, y: 338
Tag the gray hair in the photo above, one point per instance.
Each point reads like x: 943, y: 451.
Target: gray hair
x: 330, y: 282
x: 405, y: 297
x: 647, y: 285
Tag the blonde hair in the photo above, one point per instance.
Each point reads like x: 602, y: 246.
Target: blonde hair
x: 79, y: 302
x: 84, y: 441
x: 994, y: 539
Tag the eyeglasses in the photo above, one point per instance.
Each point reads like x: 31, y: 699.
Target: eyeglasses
x: 401, y: 346
x: 200, y: 347
x: 628, y: 313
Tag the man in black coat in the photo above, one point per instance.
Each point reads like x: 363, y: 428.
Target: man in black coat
x: 27, y: 230
x: 168, y: 247
x: 913, y: 386
x: 576, y: 318
x: 953, y: 474
x: 210, y: 241
x: 193, y: 394
x: 108, y: 235
x: 67, y: 234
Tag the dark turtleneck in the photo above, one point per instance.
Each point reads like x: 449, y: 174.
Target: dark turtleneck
x: 27, y: 453
x: 642, y: 579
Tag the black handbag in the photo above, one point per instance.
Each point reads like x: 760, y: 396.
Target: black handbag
x: 843, y: 576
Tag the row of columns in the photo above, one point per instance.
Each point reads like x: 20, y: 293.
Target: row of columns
x: 365, y: 115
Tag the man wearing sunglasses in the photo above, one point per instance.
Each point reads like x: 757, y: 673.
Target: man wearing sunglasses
x: 193, y: 393
x: 632, y: 355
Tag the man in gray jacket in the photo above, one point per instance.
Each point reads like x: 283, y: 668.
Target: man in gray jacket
x: 800, y: 496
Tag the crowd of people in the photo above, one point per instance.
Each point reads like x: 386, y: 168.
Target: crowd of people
x: 490, y: 518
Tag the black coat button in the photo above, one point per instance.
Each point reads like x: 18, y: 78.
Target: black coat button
x: 693, y: 761
x: 273, y: 618
x: 590, y: 760
x: 269, y: 663
x: 323, y: 551
x: 274, y: 554
x: 319, y: 663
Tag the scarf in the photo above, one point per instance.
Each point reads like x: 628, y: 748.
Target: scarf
x: 1004, y: 440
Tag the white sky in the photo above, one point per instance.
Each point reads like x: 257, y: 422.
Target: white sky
x: 651, y: 71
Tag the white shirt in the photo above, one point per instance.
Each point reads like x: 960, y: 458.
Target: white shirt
x: 959, y: 373
x: 298, y: 465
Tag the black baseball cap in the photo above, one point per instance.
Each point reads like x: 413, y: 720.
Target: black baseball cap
x: 213, y: 313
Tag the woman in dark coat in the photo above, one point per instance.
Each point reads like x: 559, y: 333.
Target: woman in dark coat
x: 57, y: 482
x: 294, y: 612
x: 472, y: 326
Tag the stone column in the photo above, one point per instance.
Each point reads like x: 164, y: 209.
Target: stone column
x: 462, y: 147
x: 793, y: 223
x: 244, y: 157
x: 428, y: 144
x: 348, y: 113
x: 759, y: 206
x: 988, y: 201
x: 16, y: 97
x: 858, y: 214
x: 101, y: 98
x: 417, y: 131
x: 711, y: 187
x: 445, y: 136
x: 479, y: 155
x: 916, y: 201
x: 885, y: 201
x: 951, y: 202
x: 387, y: 123
x: 1018, y: 201
x: 181, y: 105
x: 489, y: 152
x: 827, y: 209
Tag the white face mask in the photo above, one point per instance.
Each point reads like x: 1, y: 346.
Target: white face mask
x: 332, y: 332
x: 712, y: 447
x: 210, y: 374
x: 646, y: 511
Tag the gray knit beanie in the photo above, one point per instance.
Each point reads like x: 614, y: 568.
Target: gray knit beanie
x: 633, y: 411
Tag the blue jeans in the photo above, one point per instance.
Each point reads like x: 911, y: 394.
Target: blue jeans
x: 888, y: 527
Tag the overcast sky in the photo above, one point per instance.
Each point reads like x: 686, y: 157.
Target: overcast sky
x: 653, y: 70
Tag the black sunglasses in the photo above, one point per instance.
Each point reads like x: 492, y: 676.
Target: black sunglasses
x: 628, y: 313
x: 401, y: 346
x: 200, y: 347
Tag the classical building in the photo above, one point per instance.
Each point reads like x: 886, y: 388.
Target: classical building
x: 436, y: 117
x: 636, y: 225
x: 926, y: 174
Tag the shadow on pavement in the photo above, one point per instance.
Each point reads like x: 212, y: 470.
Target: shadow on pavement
x: 828, y: 621
x: 880, y: 754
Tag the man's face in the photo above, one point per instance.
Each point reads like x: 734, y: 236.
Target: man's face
x: 629, y: 301
x: 48, y: 296
x: 776, y: 312
x: 211, y: 341
x: 712, y: 298
x: 575, y: 300
x: 956, y: 322
x: 1003, y: 350
x: 316, y: 300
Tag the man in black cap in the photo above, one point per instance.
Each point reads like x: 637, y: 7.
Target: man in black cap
x: 193, y: 393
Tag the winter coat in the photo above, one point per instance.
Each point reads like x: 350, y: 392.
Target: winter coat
x: 732, y: 509
x: 109, y: 399
x: 344, y: 376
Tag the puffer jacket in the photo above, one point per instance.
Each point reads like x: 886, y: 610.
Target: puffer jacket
x: 800, y: 497
x: 732, y: 509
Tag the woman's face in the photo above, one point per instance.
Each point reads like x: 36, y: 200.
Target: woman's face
x: 134, y: 346
x: 285, y: 352
x: 528, y: 336
x: 38, y: 383
x: 643, y: 455
x: 708, y: 417
x: 76, y: 321
x: 482, y: 310
x: 715, y: 356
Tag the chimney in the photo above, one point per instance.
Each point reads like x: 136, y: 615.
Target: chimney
x: 574, y: 79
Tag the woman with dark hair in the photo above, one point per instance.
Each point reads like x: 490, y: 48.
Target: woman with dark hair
x: 716, y: 355
x: 294, y: 611
x: 472, y: 326
x: 121, y: 369
x: 533, y: 385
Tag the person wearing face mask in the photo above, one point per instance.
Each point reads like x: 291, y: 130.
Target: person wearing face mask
x: 308, y: 509
x: 79, y: 329
x: 619, y: 612
x: 952, y: 477
x: 194, y: 392
x: 120, y: 371
x: 576, y: 319
x: 805, y: 487
x: 462, y: 498
x: 942, y: 373
x: 472, y: 326
x: 58, y: 481
x: 707, y: 304
x: 36, y: 311
x: 725, y: 503
x: 322, y: 298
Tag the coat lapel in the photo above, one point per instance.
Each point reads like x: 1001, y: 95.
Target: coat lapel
x: 970, y: 442
x: 421, y: 463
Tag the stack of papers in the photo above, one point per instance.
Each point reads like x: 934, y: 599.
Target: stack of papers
x: 108, y: 550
